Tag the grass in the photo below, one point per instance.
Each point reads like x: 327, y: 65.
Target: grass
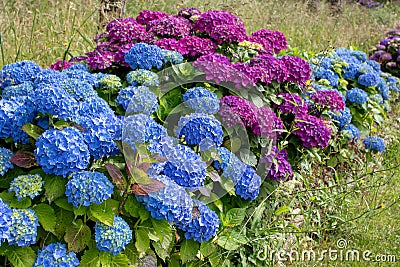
x: 42, y: 30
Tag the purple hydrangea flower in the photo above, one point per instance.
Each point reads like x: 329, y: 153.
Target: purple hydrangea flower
x: 279, y: 167
x: 292, y: 104
x: 147, y: 16
x: 168, y: 27
x: 312, y: 131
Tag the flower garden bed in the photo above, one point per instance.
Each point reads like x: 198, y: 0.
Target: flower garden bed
x: 163, y: 144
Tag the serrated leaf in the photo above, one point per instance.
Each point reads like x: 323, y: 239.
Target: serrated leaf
x: 90, y: 258
x: 139, y: 176
x: 145, y: 189
x: 64, y: 204
x: 22, y: 204
x: 164, y: 246
x: 23, y: 160
x: 105, y: 211
x: 232, y: 240
x: 80, y: 211
x: 162, y: 228
x: 207, y: 248
x: 234, y: 217
x: 144, y: 166
x: 132, y: 254
x: 132, y: 206
x: 64, y: 219
x: 32, y: 130
x: 281, y: 210
x: 77, y: 236
x: 116, y: 175
x: 46, y: 216
x: 142, y: 242
x: 21, y: 257
x: 189, y: 250
x: 107, y: 259
x: 54, y: 187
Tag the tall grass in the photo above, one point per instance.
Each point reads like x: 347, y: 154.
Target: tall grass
x: 43, y: 30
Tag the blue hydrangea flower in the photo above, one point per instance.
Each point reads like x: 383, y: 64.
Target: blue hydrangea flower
x: 22, y: 89
x: 78, y: 66
x: 248, y: 185
x: 200, y: 129
x: 100, y: 133
x: 172, y: 57
x: 375, y: 65
x: 393, y: 83
x: 56, y: 102
x: 125, y: 96
x: 56, y: 255
x: 342, y: 117
x: 94, y: 106
x: 62, y: 152
x: 357, y: 96
x: 156, y: 168
x: 142, y: 77
x: 203, y: 226
x: 23, y: 229
x: 49, y: 77
x: 85, y: 188
x: 5, y: 221
x: 18, y: 72
x: 143, y: 101
x: 81, y: 75
x: 13, y: 115
x: 350, y: 71
x: 78, y: 89
x: 201, y: 100
x: 383, y: 89
x: 141, y: 129
x: 144, y: 56
x: 362, y: 56
x: 185, y: 167
x: 233, y: 168
x: 113, y: 238
x: 374, y: 143
x: 171, y: 203
x: 351, y: 132
x: 332, y: 77
x: 29, y: 185
x: 368, y: 79
x: 5, y: 164
x: 364, y: 68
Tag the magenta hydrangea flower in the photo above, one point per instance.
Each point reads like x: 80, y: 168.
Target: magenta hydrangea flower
x: 213, y: 18
x: 292, y: 104
x: 146, y: 16
x: 100, y: 60
x: 272, y: 41
x: 227, y: 33
x: 268, y: 124
x: 327, y: 99
x: 236, y: 110
x: 194, y: 46
x: 254, y: 73
x: 60, y: 65
x: 273, y: 68
x: 298, y: 70
x: 168, y: 43
x: 279, y: 167
x: 169, y: 27
x: 312, y: 131
x: 125, y: 30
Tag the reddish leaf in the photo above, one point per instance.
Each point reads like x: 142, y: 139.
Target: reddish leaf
x: 159, y: 158
x: 23, y: 160
x: 129, y: 167
x: 145, y: 189
x: 79, y: 127
x: 144, y: 166
x: 116, y: 175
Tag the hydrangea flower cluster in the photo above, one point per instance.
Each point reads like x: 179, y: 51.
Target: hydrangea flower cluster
x: 5, y: 163
x: 85, y: 188
x: 292, y: 104
x: 342, y: 117
x: 312, y: 131
x: 387, y: 52
x: 23, y: 228
x: 18, y: 72
x: 352, y: 132
x: 56, y: 255
x: 169, y: 26
x: 185, y: 167
x: 16, y: 91
x: 113, y: 238
x: 357, y: 96
x: 327, y: 99
x: 374, y: 143
x: 199, y: 129
x: 144, y: 56
x: 201, y: 100
x: 29, y: 185
x: 202, y: 227
x: 62, y: 152
x: 279, y: 167
x: 170, y: 203
x: 236, y: 110
x: 137, y: 100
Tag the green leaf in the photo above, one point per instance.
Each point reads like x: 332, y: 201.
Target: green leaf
x: 215, y: 259
x: 46, y: 216
x: 20, y: 257
x: 64, y: 219
x: 22, y: 204
x: 107, y: 259
x: 132, y: 206
x: 32, y: 130
x: 77, y: 236
x: 142, y: 242
x: 189, y: 250
x: 282, y: 210
x: 132, y: 254
x: 232, y: 240
x: 162, y: 228
x: 163, y: 248
x: 105, y: 211
x: 139, y: 176
x: 63, y: 203
x: 80, y: 211
x: 54, y: 187
x: 90, y: 258
x: 234, y: 217
x: 7, y: 197
x: 207, y: 248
